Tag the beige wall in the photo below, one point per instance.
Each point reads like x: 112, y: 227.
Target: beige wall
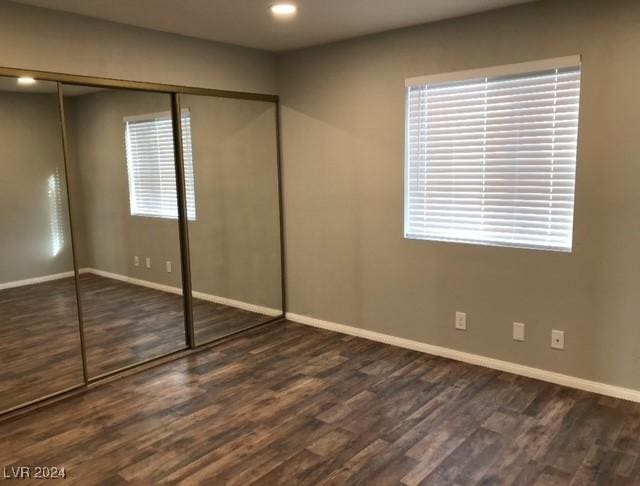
x: 34, y: 38
x: 34, y: 228
x: 343, y: 120
x: 235, y: 247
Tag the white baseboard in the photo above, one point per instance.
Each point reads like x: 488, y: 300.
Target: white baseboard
x: 474, y: 359
x: 35, y: 280
x: 238, y: 304
x: 178, y: 291
x: 133, y: 281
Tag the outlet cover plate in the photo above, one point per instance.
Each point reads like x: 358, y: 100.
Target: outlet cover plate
x: 557, y: 339
x: 518, y: 331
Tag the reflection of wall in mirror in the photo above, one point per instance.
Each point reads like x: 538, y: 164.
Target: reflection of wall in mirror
x: 235, y: 239
x: 34, y: 217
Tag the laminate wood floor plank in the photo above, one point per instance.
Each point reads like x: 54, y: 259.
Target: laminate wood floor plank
x: 289, y: 404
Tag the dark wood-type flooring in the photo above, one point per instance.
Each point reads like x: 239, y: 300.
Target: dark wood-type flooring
x: 39, y: 344
x: 124, y: 324
x: 288, y: 404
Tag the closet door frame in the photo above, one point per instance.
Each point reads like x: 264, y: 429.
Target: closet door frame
x: 174, y: 91
x: 183, y: 226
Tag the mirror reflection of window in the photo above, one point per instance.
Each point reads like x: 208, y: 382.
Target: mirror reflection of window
x: 151, y: 165
x: 56, y: 214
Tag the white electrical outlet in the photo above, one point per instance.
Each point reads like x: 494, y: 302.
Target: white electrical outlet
x: 148, y: 262
x: 168, y: 267
x: 518, y: 331
x: 557, y: 339
x: 461, y: 321
x: 136, y: 261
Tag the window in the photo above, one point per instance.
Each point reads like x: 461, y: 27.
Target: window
x: 491, y: 155
x: 151, y: 166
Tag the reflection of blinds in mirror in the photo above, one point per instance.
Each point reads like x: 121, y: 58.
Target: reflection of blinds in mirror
x: 56, y: 214
x: 151, y: 167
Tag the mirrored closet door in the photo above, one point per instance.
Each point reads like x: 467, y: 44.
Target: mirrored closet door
x: 40, y: 352
x: 93, y: 222
x: 231, y: 182
x: 123, y: 185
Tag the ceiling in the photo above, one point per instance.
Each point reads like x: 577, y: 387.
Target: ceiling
x: 249, y: 22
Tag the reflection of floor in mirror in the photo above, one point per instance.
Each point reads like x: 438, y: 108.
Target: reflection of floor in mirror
x: 39, y: 343
x: 124, y: 324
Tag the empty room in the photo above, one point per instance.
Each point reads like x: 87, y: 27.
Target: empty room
x: 320, y: 242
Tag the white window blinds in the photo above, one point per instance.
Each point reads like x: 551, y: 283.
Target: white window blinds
x: 491, y: 156
x: 151, y: 166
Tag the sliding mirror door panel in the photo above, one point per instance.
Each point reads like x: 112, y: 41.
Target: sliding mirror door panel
x: 40, y: 352
x: 231, y: 179
x: 123, y: 186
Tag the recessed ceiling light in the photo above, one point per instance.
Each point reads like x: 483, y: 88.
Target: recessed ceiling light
x: 283, y: 9
x: 26, y: 80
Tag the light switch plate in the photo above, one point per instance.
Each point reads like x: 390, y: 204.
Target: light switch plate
x: 461, y: 321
